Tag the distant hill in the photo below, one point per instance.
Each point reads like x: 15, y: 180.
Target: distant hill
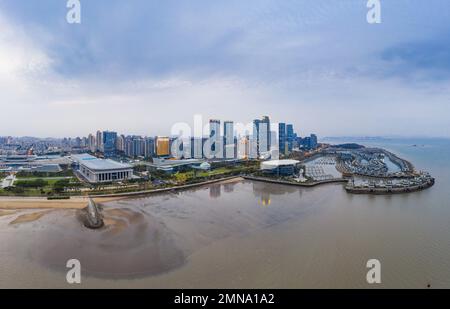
x: 349, y: 146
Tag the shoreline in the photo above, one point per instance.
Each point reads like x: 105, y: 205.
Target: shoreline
x: 10, y: 203
x: 80, y: 202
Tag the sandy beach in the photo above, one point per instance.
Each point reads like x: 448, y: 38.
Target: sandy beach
x: 79, y: 202
x: 42, y: 203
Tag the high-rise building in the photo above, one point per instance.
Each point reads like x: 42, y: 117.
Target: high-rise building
x: 290, y: 137
x: 243, y: 149
x: 109, y: 142
x: 99, y: 140
x: 129, y: 146
x: 149, y: 147
x: 185, y: 148
x: 261, y: 134
x: 282, y: 138
x: 176, y: 147
x: 84, y: 142
x: 309, y: 142
x: 138, y: 146
x: 214, y: 135
x: 120, y: 143
x: 197, y: 147
x: 313, y: 141
x: 229, y: 140
x: 162, y: 146
x: 77, y: 142
x: 91, y: 143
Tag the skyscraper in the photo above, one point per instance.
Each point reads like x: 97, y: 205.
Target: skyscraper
x: 120, y: 143
x: 290, y: 137
x: 99, y: 140
x: 282, y: 138
x: 313, y: 141
x: 162, y: 146
x: 197, y: 147
x: 109, y: 142
x: 214, y: 135
x: 149, y: 151
x: 138, y: 146
x: 261, y: 134
x: 92, y: 143
x: 243, y: 151
x: 229, y: 149
x: 129, y: 146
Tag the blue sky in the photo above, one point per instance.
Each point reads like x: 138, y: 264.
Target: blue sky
x: 139, y: 66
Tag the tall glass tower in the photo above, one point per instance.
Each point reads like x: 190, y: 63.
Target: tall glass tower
x: 109, y: 142
x: 261, y: 134
x: 214, y: 134
x: 228, y: 130
x: 282, y: 138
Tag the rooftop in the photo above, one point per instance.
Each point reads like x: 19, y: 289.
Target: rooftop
x: 275, y: 163
x: 95, y: 163
x: 160, y: 162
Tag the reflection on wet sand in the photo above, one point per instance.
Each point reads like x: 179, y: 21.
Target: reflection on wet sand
x: 260, y: 190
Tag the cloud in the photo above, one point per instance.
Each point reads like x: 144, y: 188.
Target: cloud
x: 426, y: 60
x: 139, y: 66
x: 19, y: 56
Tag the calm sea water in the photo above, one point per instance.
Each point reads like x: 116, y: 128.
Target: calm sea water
x: 247, y: 234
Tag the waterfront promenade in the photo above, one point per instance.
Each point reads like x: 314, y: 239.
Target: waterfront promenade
x: 79, y: 202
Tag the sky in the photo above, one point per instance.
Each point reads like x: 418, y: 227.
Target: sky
x: 140, y: 66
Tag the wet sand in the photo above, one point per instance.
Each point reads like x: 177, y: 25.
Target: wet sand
x: 130, y: 245
x: 74, y: 202
x: 7, y: 212
x: 30, y: 217
x: 43, y: 203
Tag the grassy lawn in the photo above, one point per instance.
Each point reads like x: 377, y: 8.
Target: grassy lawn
x: 27, y: 192
x: 35, y: 186
x: 181, y: 177
x: 49, y: 180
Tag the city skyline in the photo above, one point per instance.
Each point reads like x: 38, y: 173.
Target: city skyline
x: 318, y: 65
x: 260, y: 139
x: 238, y: 129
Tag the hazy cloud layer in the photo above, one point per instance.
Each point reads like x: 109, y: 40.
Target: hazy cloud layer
x: 139, y: 66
